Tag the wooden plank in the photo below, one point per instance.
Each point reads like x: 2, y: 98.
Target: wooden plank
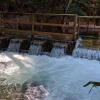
x: 37, y: 32
x: 90, y: 26
x: 4, y: 21
x: 44, y: 14
x: 54, y: 25
x: 15, y: 30
x: 76, y: 35
x: 53, y: 14
x: 88, y: 17
x: 33, y: 23
x: 57, y: 36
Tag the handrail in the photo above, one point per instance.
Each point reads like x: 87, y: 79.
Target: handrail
x: 48, y: 14
x: 93, y: 17
x: 36, y: 23
x: 75, y: 27
x: 44, y: 14
x: 55, y: 25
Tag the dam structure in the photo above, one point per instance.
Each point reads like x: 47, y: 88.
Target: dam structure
x: 49, y: 56
x: 55, y: 35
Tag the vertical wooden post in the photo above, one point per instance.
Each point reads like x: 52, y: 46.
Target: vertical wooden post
x: 98, y: 25
x: 0, y: 21
x: 75, y: 28
x: 17, y: 18
x: 33, y: 23
x: 78, y: 26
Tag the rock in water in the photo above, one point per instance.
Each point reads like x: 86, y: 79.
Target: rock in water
x: 35, y: 92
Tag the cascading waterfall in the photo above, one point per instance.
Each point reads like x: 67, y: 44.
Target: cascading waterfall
x: 78, y: 43
x: 87, y: 53
x: 57, y: 52
x: 14, y: 45
x: 82, y: 52
x: 35, y: 49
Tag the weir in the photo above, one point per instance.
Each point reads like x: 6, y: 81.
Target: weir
x: 35, y: 48
x: 14, y: 45
x: 82, y: 51
x: 52, y: 28
x: 58, y: 28
x: 38, y: 48
x: 58, y: 50
x: 88, y: 44
x: 26, y: 74
x: 87, y: 54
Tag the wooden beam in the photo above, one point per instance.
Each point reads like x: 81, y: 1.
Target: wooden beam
x: 6, y: 30
x: 54, y: 25
x: 57, y: 36
x: 89, y: 17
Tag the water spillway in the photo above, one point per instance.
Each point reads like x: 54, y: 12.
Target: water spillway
x: 84, y: 52
x: 38, y: 47
x: 14, y: 45
x: 35, y: 49
x: 58, y: 50
x: 87, y: 53
x: 53, y: 49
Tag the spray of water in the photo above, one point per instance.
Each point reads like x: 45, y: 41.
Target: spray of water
x: 63, y: 77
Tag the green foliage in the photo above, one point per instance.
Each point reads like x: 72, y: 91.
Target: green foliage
x: 98, y: 8
x: 79, y: 7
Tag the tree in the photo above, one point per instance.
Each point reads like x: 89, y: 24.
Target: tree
x: 79, y: 7
x: 98, y: 8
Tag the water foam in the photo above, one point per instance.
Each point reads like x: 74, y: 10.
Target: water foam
x: 64, y: 77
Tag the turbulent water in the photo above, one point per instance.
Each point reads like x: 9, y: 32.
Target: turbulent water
x: 82, y: 52
x: 63, y: 77
x: 35, y: 49
x: 57, y: 52
x: 87, y: 53
x: 14, y: 45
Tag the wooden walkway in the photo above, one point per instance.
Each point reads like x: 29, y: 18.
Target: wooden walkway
x: 63, y: 27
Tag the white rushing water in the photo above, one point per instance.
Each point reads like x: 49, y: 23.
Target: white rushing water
x: 82, y: 52
x: 87, y: 53
x: 35, y: 49
x: 14, y: 45
x: 57, y: 52
x: 63, y: 77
